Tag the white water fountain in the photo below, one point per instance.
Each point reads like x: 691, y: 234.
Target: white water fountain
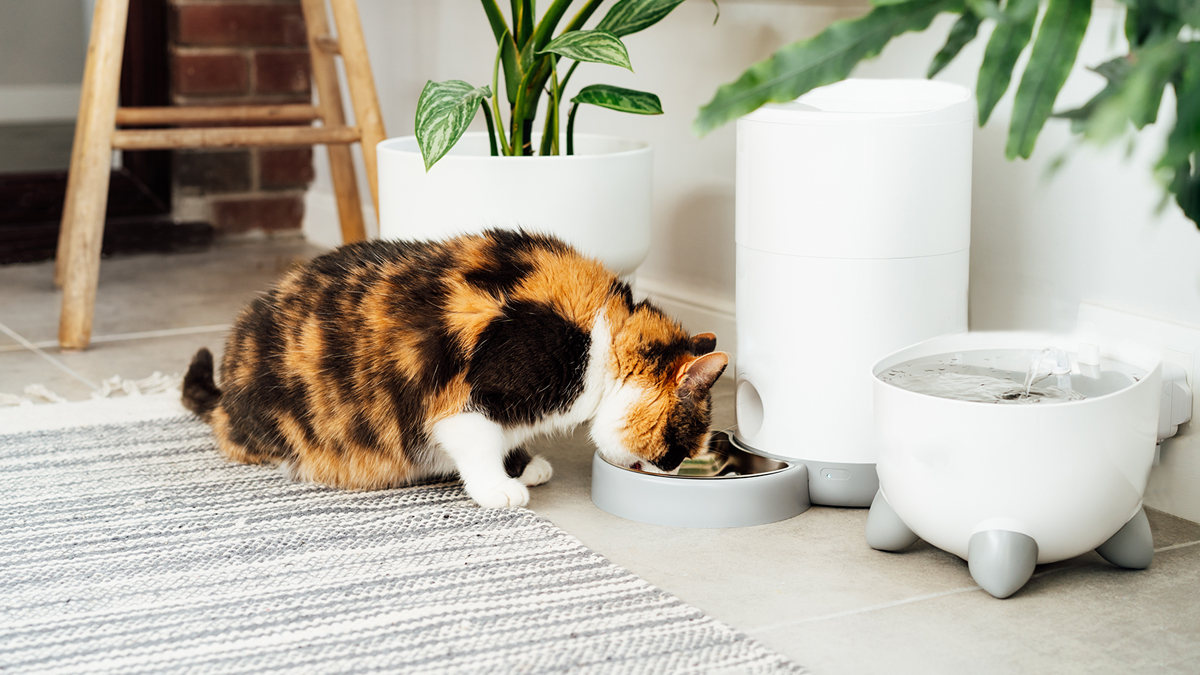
x: 1015, y: 449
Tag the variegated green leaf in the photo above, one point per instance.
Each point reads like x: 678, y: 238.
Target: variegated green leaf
x: 824, y: 59
x: 619, y: 98
x: 964, y: 30
x: 631, y: 16
x: 593, y: 46
x: 444, y: 111
x: 1003, y: 48
x: 1050, y: 62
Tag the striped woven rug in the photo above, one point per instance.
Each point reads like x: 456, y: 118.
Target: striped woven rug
x: 133, y: 547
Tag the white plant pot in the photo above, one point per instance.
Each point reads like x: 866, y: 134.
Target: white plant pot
x: 597, y: 200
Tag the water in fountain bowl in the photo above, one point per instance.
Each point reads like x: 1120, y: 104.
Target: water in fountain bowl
x: 1000, y: 376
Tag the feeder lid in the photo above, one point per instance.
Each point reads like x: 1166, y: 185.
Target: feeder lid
x: 873, y: 103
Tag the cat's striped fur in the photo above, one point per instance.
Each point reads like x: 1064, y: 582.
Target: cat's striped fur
x: 382, y: 363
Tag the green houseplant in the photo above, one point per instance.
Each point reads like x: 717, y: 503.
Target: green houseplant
x: 530, y: 58
x: 595, y: 192
x: 1163, y: 51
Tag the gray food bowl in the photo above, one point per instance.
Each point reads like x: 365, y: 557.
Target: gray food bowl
x: 747, y: 489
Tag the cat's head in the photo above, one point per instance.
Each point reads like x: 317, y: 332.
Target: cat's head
x: 659, y: 409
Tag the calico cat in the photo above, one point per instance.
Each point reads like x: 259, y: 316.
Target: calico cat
x: 384, y: 362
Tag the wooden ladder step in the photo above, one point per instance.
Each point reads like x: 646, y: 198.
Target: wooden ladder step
x: 142, y: 117
x: 231, y: 137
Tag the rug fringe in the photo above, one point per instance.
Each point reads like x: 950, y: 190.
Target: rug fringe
x: 156, y: 383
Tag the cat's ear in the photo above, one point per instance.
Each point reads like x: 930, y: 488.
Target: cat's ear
x: 703, y: 343
x: 697, y: 376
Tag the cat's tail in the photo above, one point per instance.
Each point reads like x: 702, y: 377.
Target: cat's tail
x: 200, y: 392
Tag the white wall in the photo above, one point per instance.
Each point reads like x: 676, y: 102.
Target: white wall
x: 42, y: 49
x: 1041, y: 244
x: 682, y: 59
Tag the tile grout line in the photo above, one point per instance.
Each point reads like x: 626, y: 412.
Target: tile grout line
x: 928, y: 596
x: 1175, y: 546
x: 897, y: 603
x: 53, y: 361
x: 119, y: 337
x: 863, y: 610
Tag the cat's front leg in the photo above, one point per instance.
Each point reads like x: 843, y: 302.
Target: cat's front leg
x: 476, y: 445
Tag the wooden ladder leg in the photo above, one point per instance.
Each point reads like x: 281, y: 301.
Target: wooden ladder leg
x: 362, y: 86
x: 68, y: 217
x: 329, y: 99
x: 87, y: 182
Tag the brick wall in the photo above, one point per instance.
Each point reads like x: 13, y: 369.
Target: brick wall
x: 226, y: 52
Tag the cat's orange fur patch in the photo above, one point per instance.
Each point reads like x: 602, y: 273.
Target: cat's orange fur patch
x: 576, y: 286
x: 469, y: 312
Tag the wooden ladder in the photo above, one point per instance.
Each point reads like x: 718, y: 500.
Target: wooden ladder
x: 77, y: 268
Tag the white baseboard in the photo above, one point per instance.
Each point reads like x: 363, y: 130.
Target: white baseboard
x: 30, y: 103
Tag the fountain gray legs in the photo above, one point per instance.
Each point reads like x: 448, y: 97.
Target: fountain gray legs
x: 1132, y: 547
x: 1001, y: 561
x: 885, y: 530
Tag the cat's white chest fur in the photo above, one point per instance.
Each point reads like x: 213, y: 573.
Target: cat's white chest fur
x: 475, y: 446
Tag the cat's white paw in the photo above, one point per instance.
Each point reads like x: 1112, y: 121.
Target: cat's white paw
x: 508, y: 492
x: 538, y: 471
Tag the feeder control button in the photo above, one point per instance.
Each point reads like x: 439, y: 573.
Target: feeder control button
x: 835, y: 474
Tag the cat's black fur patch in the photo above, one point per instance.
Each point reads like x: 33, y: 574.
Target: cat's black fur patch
x: 259, y: 433
x: 703, y: 345
x: 503, y: 269
x: 200, y: 392
x: 409, y: 409
x: 622, y: 290
x: 498, y: 277
x: 685, y: 426
x: 420, y: 300
x: 662, y: 356
x: 528, y: 363
x: 365, y: 436
x: 515, y: 462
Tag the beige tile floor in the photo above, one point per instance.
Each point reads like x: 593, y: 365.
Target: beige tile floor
x: 809, y: 587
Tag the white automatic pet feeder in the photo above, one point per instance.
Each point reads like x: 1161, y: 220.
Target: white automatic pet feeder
x: 1010, y: 485
x: 853, y: 230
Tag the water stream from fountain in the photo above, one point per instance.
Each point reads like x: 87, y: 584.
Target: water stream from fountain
x: 1008, y: 376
